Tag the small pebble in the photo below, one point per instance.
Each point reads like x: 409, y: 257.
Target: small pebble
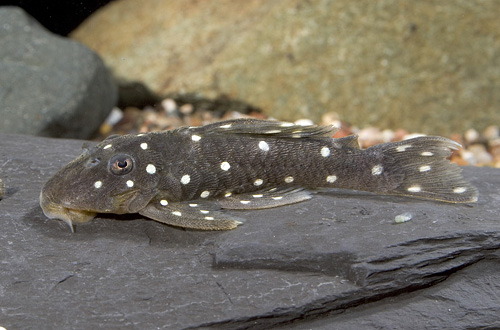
x: 169, y: 105
x: 304, y: 122
x: 403, y: 217
x: 114, y: 117
x: 399, y: 134
x: 471, y: 136
x: 331, y: 118
x: 186, y: 109
x: 343, y: 131
x: 478, y: 154
x: 495, y: 149
x: 387, y: 135
x: 491, y: 132
x: 370, y: 136
x: 468, y: 157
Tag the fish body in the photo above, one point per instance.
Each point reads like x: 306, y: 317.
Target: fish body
x: 184, y: 177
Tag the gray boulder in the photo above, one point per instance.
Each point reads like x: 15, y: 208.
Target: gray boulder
x: 49, y: 85
x: 338, y: 261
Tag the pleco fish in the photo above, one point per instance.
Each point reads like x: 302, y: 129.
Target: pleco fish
x: 184, y: 177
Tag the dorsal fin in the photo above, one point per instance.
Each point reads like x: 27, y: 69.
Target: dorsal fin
x: 266, y: 128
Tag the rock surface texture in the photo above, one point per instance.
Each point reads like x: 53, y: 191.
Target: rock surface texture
x: 49, y: 86
x: 338, y: 261
x: 425, y: 66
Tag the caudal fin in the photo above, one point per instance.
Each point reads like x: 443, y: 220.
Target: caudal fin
x: 423, y: 169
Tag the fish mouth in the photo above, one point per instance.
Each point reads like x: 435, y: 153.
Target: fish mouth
x: 68, y: 215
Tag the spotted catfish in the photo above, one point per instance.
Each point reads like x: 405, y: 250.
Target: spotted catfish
x: 184, y: 177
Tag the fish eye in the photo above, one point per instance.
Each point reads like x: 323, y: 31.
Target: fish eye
x: 121, y: 164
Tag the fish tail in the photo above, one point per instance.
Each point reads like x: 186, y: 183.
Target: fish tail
x: 417, y: 167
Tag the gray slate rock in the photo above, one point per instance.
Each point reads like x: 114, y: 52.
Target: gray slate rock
x: 337, y: 261
x: 49, y: 86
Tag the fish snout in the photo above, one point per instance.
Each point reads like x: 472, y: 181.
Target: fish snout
x: 54, y: 210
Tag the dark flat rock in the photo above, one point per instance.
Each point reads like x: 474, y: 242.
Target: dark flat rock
x: 49, y: 85
x: 338, y: 261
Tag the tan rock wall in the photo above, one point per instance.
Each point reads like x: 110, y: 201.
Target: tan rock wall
x: 429, y: 66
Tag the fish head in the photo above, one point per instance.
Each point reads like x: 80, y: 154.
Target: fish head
x: 119, y: 175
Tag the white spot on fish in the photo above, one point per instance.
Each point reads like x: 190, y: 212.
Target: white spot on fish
x: 424, y: 168
x: 141, y: 134
x: 244, y: 202
x: 144, y: 146
x: 427, y: 154
x: 193, y: 205
x: 225, y: 166
x: 151, y: 169
x: 209, y: 218
x: 273, y: 131
x: 331, y: 178
x: 185, y: 179
x: 272, y: 189
x: 377, y: 170
x: 130, y: 183
x: 205, y: 194
x: 228, y: 194
x: 277, y: 198
x: 459, y: 190
x: 263, y: 146
x: 403, y: 147
x: 226, y: 126
x: 177, y: 213
x: 98, y: 184
x: 289, y: 179
x: 415, y: 188
x: 195, y: 138
x: 107, y: 146
x: 257, y: 196
x: 286, y: 124
x: 258, y: 182
x: 325, y: 151
x: 204, y: 211
x: 164, y: 202
x: 296, y: 136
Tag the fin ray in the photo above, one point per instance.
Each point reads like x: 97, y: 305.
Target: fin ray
x: 189, y: 215
x: 266, y: 128
x: 264, y: 199
x: 425, y: 170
